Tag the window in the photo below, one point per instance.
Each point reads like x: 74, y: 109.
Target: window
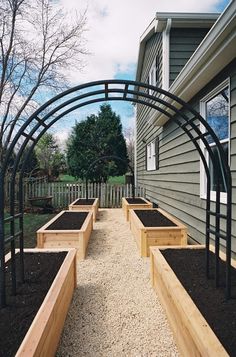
x: 152, y: 155
x: 215, y: 109
x: 153, y: 76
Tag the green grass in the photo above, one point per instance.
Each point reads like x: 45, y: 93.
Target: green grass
x: 67, y: 178
x: 117, y: 180
x: 32, y: 222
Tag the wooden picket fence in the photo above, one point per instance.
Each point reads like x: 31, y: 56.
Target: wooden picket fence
x: 65, y: 193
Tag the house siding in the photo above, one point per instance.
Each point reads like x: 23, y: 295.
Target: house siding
x: 152, y: 49
x: 176, y: 185
x: 183, y: 42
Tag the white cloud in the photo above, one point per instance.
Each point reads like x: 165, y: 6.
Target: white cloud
x: 62, y: 137
x: 114, y: 29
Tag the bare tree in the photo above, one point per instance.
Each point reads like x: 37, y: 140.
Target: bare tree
x: 39, y: 42
x: 130, y: 144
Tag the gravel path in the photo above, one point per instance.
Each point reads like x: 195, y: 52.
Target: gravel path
x: 115, y: 312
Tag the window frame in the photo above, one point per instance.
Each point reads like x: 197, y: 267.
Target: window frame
x: 203, y: 102
x: 154, y: 72
x: 152, y: 156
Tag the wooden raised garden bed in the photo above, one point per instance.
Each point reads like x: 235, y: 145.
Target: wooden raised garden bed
x: 154, y: 227
x: 43, y: 333
x: 81, y: 204
x: 133, y: 203
x: 67, y: 230
x: 202, y: 320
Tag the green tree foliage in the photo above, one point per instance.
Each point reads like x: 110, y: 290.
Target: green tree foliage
x: 97, y: 136
x: 32, y: 164
x: 51, y: 160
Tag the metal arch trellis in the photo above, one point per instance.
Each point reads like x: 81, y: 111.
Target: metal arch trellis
x: 109, y: 157
x: 113, y: 90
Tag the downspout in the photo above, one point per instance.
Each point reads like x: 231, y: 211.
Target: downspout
x: 166, y: 55
x: 135, y: 147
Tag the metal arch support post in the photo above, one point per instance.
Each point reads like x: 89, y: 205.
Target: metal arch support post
x: 2, y: 245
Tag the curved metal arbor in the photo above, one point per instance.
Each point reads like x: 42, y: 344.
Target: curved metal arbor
x: 114, y: 90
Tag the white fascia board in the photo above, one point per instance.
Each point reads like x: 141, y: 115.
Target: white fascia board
x: 213, y: 54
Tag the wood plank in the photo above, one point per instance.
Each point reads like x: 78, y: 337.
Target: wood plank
x: 66, y: 238
x: 193, y: 335
x: 44, y: 333
x: 156, y: 236
x: 81, y: 207
x: 127, y: 206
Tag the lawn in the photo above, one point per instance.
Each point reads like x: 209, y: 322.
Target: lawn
x: 32, y: 222
x: 116, y: 180
x: 67, y: 178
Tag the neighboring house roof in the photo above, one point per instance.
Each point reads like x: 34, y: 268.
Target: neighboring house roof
x: 217, y: 49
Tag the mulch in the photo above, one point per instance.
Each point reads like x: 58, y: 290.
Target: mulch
x: 153, y: 218
x: 17, y: 316
x: 189, y: 267
x: 69, y: 221
x: 135, y: 200
x: 83, y: 201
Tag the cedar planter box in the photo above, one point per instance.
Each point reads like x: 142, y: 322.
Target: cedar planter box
x: 140, y: 203
x: 81, y: 204
x: 147, y: 236
x: 50, y: 237
x: 44, y: 333
x: 193, y: 334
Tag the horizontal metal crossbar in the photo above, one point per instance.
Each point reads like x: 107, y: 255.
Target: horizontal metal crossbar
x: 106, y: 91
x: 220, y: 215
x: 201, y: 136
x: 217, y: 234
x: 28, y: 136
x: 126, y: 90
x: 189, y: 122
x: 10, y: 218
x: 41, y: 122
x: 11, y: 238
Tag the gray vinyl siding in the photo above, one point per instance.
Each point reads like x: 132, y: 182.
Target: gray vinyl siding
x: 176, y: 185
x: 183, y: 42
x: 152, y: 49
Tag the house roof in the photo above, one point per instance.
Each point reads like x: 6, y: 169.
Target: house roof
x: 213, y: 54
x: 159, y: 23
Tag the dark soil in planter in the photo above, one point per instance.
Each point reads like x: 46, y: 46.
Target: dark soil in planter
x: 135, y: 200
x: 16, y: 318
x: 153, y: 218
x: 68, y: 220
x: 83, y: 201
x: 189, y: 267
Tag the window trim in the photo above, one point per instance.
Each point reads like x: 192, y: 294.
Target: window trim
x: 154, y: 70
x: 203, y: 101
x: 155, y: 156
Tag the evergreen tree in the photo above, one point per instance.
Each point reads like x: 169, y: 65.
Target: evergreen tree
x: 97, y: 136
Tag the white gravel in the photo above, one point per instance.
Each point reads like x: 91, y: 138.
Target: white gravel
x: 115, y: 311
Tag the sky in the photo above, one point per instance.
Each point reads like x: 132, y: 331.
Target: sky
x: 113, y: 31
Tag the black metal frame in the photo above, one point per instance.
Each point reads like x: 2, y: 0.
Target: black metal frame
x: 109, y: 157
x: 115, y: 90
